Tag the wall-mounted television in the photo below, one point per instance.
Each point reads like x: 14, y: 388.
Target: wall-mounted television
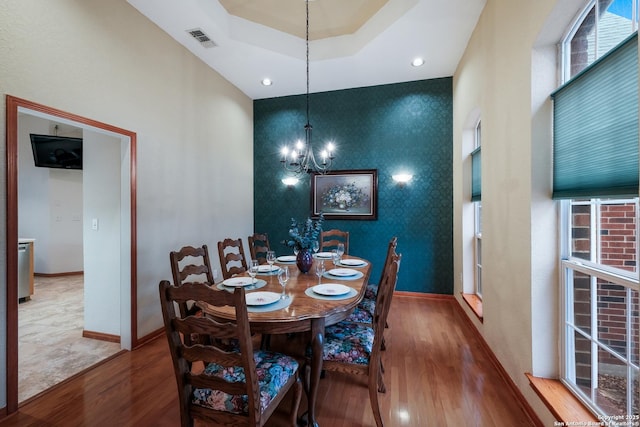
x: 56, y: 151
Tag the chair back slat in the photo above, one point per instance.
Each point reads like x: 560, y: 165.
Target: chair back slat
x: 191, y: 261
x: 232, y: 258
x: 386, y: 288
x: 259, y: 246
x: 391, y: 251
x: 329, y: 240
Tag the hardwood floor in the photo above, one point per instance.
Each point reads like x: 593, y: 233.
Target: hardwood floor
x: 437, y: 374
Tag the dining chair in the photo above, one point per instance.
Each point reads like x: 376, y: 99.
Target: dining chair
x: 190, y: 263
x: 232, y: 258
x: 329, y: 240
x: 259, y: 246
x: 354, y: 348
x: 363, y: 313
x: 218, y: 387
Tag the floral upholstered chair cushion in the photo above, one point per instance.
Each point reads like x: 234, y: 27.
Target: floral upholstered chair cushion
x: 371, y: 292
x: 273, y: 370
x: 360, y: 315
x: 363, y: 312
x: 348, y: 342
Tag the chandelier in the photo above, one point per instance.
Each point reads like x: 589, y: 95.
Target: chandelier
x: 300, y: 159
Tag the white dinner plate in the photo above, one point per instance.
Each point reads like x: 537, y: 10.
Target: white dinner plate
x: 286, y: 258
x: 325, y: 255
x: 353, y: 262
x: 331, y: 289
x: 268, y: 268
x: 343, y: 272
x: 235, y: 282
x: 261, y: 298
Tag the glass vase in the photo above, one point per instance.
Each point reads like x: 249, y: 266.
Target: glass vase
x: 304, y: 260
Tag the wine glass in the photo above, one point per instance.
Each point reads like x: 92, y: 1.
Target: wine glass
x: 271, y: 258
x: 320, y: 271
x: 253, y: 270
x: 283, y: 278
x: 335, y: 257
x: 315, y: 246
x: 340, y: 250
x: 296, y: 249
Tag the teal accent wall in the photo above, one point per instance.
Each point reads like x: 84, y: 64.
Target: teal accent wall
x: 404, y: 127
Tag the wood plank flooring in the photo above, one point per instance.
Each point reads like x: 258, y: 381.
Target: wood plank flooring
x: 436, y: 375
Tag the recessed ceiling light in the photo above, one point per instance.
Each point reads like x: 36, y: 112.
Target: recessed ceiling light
x: 417, y: 62
x: 266, y: 82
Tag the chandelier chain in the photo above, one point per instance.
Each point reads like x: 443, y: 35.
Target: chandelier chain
x: 307, y: 45
x: 301, y: 159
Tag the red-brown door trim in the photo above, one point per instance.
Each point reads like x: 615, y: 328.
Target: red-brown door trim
x: 12, y: 108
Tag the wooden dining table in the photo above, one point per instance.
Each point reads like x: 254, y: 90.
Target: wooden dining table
x: 306, y: 311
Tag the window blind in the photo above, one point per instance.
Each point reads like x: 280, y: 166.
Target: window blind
x: 595, y: 129
x: 476, y: 176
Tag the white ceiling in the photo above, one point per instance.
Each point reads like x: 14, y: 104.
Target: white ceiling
x: 354, y: 43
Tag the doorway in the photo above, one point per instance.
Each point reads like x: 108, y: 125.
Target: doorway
x: 126, y: 236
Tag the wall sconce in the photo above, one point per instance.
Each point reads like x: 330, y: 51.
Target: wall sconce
x: 402, y: 178
x: 290, y: 181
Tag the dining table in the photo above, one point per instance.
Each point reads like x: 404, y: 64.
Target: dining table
x: 303, y: 306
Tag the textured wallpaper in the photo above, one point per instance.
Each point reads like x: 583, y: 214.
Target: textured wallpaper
x: 405, y: 127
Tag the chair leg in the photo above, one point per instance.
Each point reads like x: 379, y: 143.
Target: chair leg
x: 306, y: 372
x: 265, y: 341
x: 381, y: 387
x: 373, y: 397
x: 295, y: 403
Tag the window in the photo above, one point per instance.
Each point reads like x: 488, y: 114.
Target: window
x: 592, y: 38
x: 601, y: 324
x: 600, y: 210
x: 477, y: 207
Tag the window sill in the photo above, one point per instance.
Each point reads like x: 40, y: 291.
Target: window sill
x: 564, y: 406
x: 475, y: 303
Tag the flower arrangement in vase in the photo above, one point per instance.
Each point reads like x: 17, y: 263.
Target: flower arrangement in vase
x: 301, y: 238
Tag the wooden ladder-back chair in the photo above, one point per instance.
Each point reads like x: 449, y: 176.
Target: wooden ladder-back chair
x: 329, y: 240
x: 354, y: 348
x: 221, y: 387
x: 232, y: 258
x: 259, y: 246
x: 188, y: 264
x: 363, y: 313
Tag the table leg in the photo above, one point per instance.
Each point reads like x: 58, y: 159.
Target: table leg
x: 317, y: 341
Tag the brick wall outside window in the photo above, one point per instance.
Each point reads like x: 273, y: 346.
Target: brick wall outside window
x: 617, y: 249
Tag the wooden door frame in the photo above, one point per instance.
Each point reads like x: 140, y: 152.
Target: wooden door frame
x: 13, y: 105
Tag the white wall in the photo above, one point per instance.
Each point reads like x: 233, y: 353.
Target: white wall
x: 101, y: 156
x: 105, y: 61
x: 49, y: 204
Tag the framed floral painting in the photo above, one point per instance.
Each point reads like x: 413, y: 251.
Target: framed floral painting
x: 348, y: 194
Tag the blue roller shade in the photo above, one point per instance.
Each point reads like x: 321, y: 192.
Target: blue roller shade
x: 476, y: 175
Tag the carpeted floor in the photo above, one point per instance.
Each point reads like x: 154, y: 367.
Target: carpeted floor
x: 51, y: 346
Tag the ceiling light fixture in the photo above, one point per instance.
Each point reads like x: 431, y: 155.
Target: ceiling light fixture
x: 300, y: 159
x: 267, y: 82
x: 418, y: 62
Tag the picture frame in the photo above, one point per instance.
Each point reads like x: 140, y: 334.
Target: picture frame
x: 346, y: 194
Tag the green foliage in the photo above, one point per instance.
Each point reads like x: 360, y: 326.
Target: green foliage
x: 303, y: 237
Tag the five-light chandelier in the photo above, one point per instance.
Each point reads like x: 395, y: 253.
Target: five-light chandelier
x: 300, y: 159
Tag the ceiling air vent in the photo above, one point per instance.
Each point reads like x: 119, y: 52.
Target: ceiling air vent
x: 204, y: 39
